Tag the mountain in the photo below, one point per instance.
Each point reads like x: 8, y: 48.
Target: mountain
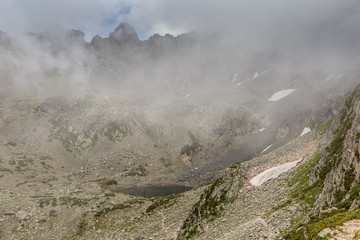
x: 91, y: 130
x: 314, y: 198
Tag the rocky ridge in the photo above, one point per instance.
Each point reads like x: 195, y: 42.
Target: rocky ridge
x: 64, y: 160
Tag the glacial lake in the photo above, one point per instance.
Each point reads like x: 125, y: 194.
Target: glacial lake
x: 154, y: 191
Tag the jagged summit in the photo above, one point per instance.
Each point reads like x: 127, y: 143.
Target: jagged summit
x: 96, y: 39
x: 124, y: 33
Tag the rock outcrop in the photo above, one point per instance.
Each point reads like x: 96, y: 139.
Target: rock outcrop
x: 124, y: 34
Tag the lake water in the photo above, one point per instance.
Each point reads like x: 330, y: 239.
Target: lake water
x: 154, y: 191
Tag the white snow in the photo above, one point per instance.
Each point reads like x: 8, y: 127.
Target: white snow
x: 273, y: 172
x: 305, y: 131
x: 188, y: 95
x: 281, y: 94
x: 265, y: 149
x: 328, y: 78
x: 256, y: 75
x: 262, y: 129
x: 337, y: 77
x: 235, y: 77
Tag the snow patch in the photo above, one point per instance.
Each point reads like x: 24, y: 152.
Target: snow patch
x: 273, y: 172
x: 305, y: 131
x: 235, y: 77
x: 337, y: 77
x: 256, y: 75
x: 265, y: 149
x: 328, y: 78
x: 281, y: 94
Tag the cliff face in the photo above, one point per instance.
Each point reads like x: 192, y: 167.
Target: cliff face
x: 212, y: 202
x: 330, y: 197
x: 339, y: 166
x: 323, y: 192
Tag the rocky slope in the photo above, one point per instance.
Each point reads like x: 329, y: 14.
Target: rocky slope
x: 42, y: 200
x: 81, y: 122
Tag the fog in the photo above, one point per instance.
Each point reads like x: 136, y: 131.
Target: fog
x: 292, y: 43
x: 175, y: 71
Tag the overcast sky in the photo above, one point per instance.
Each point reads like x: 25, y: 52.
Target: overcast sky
x: 250, y: 19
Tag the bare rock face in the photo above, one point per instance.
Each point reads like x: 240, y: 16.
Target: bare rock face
x: 339, y: 165
x: 22, y: 215
x: 349, y: 230
x: 96, y: 40
x: 211, y: 203
x: 124, y: 33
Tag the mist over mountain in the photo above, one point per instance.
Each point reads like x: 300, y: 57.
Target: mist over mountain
x: 178, y: 119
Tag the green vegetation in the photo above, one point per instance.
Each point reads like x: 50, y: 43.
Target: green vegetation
x: 323, y: 128
x: 353, y: 194
x: 166, y: 162
x: 227, y: 144
x: 102, y: 221
x: 298, y: 229
x: 110, y: 182
x: 208, y: 208
x: 137, y: 171
x: 105, y: 183
x: 235, y: 123
x: 47, y: 202
x: 349, y: 178
x: 2, y: 169
x: 162, y: 202
x: 21, y: 164
x: 81, y: 228
x: 106, y: 210
x: 53, y: 213
x: 193, y: 148
x: 308, y: 193
x: 292, y: 231
x: 285, y: 203
x: 72, y: 141
x: 116, y: 131
x: 303, y: 191
x: 109, y: 194
x: 313, y: 229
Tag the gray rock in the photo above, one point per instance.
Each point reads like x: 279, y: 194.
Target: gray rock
x: 11, y: 143
x: 22, y: 215
x: 124, y: 33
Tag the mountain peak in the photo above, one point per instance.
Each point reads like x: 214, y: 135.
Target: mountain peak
x: 124, y: 33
